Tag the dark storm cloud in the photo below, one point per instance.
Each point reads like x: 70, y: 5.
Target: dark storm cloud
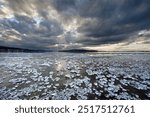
x: 62, y: 5
x: 105, y: 40
x: 99, y: 21
x: 114, y: 18
x: 46, y: 28
x: 109, y: 21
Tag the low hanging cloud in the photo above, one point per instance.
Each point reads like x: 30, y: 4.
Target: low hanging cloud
x: 45, y: 24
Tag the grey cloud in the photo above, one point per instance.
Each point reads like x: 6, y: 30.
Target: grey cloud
x: 99, y: 21
x: 19, y: 6
x: 27, y: 34
x: 114, y: 18
x: 62, y: 5
x: 104, y: 40
x: 27, y: 25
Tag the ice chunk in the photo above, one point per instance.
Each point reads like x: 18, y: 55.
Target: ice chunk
x: 57, y: 78
x: 48, y: 86
x: 67, y: 76
x: 95, y: 83
x: 17, y: 80
x: 28, y: 82
x: 56, y: 85
x: 51, y: 73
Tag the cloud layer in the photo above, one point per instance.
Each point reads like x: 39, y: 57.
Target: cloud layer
x: 65, y: 24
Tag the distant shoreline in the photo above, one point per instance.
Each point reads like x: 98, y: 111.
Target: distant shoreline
x: 22, y: 50
x: 147, y: 52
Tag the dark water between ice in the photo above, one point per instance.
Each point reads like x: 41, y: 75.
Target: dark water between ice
x: 74, y: 76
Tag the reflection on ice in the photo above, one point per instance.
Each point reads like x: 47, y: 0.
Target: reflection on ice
x: 74, y: 76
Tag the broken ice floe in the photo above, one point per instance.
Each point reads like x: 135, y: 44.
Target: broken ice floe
x: 73, y: 76
x: 17, y: 80
x: 57, y: 79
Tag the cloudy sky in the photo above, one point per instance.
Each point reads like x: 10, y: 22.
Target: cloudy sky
x: 105, y: 25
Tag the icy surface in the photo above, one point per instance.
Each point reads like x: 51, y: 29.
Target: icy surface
x: 74, y: 76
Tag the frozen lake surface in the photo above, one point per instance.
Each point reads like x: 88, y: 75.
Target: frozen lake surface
x: 66, y: 76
